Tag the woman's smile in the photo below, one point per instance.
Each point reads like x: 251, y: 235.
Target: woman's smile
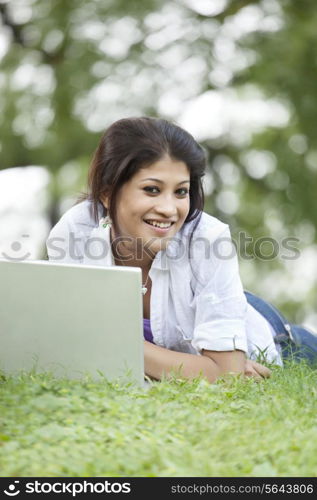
x: 159, y: 227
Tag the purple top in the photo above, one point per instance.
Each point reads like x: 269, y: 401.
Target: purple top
x: 147, y: 332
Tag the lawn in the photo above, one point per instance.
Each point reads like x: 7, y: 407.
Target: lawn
x: 236, y: 427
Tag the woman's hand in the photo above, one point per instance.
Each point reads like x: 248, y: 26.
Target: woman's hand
x: 159, y: 361
x: 255, y: 370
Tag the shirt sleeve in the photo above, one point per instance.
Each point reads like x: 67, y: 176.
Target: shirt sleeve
x: 64, y: 244
x: 220, y: 304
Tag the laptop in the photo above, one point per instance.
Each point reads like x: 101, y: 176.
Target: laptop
x: 71, y: 320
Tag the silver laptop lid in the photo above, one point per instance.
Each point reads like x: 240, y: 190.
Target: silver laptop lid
x: 71, y: 320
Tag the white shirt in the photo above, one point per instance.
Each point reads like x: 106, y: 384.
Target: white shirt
x: 197, y: 302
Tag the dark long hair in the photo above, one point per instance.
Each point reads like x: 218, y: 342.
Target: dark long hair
x: 130, y: 144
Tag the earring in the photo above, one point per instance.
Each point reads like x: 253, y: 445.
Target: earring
x: 105, y: 222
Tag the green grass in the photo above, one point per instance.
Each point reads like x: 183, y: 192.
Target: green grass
x: 236, y: 427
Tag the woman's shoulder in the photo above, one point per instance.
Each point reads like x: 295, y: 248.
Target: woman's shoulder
x: 80, y: 214
x: 78, y: 219
x: 206, y: 226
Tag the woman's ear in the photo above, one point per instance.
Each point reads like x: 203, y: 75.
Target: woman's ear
x: 105, y: 200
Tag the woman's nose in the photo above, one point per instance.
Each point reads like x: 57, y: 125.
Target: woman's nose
x: 166, y: 206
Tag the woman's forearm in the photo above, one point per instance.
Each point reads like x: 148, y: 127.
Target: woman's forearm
x: 159, y: 362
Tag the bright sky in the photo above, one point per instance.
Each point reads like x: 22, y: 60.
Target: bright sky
x: 23, y: 204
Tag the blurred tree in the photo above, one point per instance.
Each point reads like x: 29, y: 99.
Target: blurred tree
x: 69, y: 69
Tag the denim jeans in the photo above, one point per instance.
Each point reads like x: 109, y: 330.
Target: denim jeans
x: 295, y: 341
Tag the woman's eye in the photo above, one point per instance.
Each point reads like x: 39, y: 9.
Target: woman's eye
x: 182, y: 192
x: 151, y: 189
x: 155, y: 190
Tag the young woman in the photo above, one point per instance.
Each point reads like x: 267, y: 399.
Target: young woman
x: 145, y: 208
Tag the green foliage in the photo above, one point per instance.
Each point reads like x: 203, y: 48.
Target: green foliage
x: 235, y: 427
x: 40, y: 124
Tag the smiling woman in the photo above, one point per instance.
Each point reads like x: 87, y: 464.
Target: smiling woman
x: 146, y: 200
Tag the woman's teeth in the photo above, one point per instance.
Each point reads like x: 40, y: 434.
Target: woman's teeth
x: 163, y: 225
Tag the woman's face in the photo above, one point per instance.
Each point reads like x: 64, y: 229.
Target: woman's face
x: 153, y: 205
